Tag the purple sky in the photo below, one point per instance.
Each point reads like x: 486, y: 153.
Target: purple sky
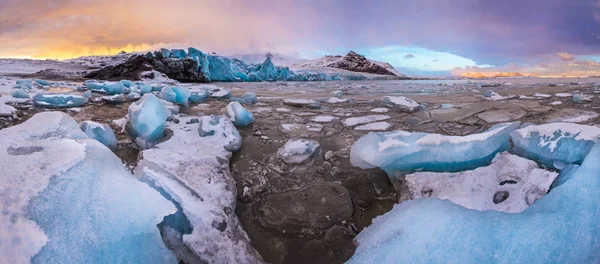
x: 439, y: 34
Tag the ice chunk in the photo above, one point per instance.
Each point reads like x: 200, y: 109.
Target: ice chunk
x: 223, y: 69
x: 6, y: 110
x: 68, y: 199
x: 447, y: 106
x: 127, y: 83
x: 193, y: 172
x: 353, y: 121
x: 19, y: 93
x: 238, y: 114
x: 568, y: 115
x: 337, y: 93
x: 563, y: 95
x: 220, y: 129
x: 101, y: 132
x: 436, y: 231
x: 193, y: 52
x: 323, y: 119
x: 556, y: 103
x: 112, y: 88
x: 199, y: 94
x: 297, y: 151
x: 176, y: 94
x: 165, y: 53
x: 59, y: 100
x: 42, y: 82
x: 114, y: 99
x: 301, y: 102
x: 401, y: 151
x: 380, y: 110
x: 218, y: 92
x: 148, y: 117
x: 87, y: 94
x: 178, y: 53
x: 509, y: 184
x: 402, y: 103
x: 549, y: 143
x: 144, y: 89
x: 493, y: 96
x: 335, y: 100
x: 542, y: 95
x: 95, y: 86
x: 250, y: 98
x: 376, y: 126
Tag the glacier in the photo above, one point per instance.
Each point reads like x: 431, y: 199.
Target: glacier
x: 561, y: 227
x: 238, y: 114
x: 405, y: 152
x: 147, y: 118
x: 101, y: 132
x: 66, y: 198
x: 555, y: 144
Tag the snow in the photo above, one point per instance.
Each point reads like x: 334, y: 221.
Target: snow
x: 402, y: 151
x: 68, y: 199
x: 401, y: 102
x: 6, y: 110
x: 147, y: 117
x: 296, y: 151
x: 556, y: 103
x: 335, y: 100
x: 548, y: 143
x: 283, y: 110
x: 563, y: 95
x: 380, y: 110
x: 542, y: 95
x: 323, y: 119
x: 376, y: 126
x: 101, y: 132
x: 353, y: 121
x: 561, y: 227
x: 238, y: 114
x: 520, y: 179
x: 300, y: 102
x: 192, y: 171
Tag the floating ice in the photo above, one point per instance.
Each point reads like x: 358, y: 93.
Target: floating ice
x: 220, y: 129
x: 542, y: 95
x: 101, y: 132
x: 59, y: 100
x: 250, y: 98
x: 353, y: 121
x: 572, y: 116
x: 221, y: 93
x: 555, y: 142
x: 19, y: 93
x: 561, y: 227
x: 509, y: 184
x: 297, y: 151
x: 127, y: 83
x: 95, y: 86
x: 238, y: 114
x: 68, y: 199
x: 112, y: 88
x: 147, y: 117
x: 402, y: 103
x: 563, y: 95
x: 144, y: 89
x: 376, y: 126
x: 87, y: 94
x: 556, y: 103
x: 401, y: 151
x: 447, y: 106
x: 41, y: 82
x: 176, y: 94
x: 114, y: 99
x: 199, y: 94
x: 491, y: 95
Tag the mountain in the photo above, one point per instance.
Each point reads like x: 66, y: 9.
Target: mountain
x: 353, y: 62
x: 258, y: 58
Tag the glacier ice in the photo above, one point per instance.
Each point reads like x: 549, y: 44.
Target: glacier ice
x: 66, y: 198
x: 41, y: 82
x: 178, y: 53
x: 238, y: 114
x: 144, y: 89
x: 199, y: 94
x: 221, y: 93
x: 561, y: 227
x: 101, y: 132
x: 297, y: 151
x: 112, y: 88
x: 337, y: 93
x: 114, y: 99
x: 59, y: 100
x: 553, y: 143
x: 193, y: 52
x: 193, y: 172
x: 250, y: 98
x: 509, y: 184
x: 176, y: 94
x: 19, y: 93
x: 165, y: 53
x: 87, y: 94
x: 401, y: 102
x: 148, y: 117
x: 405, y: 152
x: 127, y: 83
x: 353, y: 121
x: 220, y: 129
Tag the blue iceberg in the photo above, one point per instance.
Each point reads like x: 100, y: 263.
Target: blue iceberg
x: 176, y: 94
x: 148, y: 118
x: 144, y: 89
x: 165, y: 53
x: 59, y: 100
x: 113, y: 88
x: 406, y: 152
x: 238, y: 114
x: 193, y: 53
x: 250, y: 98
x: 178, y: 53
x: 127, y: 83
x: 95, y: 86
x: 19, y: 93
x: 199, y: 94
x: 556, y: 144
x: 24, y: 84
x: 101, y: 132
x: 561, y: 227
x: 42, y: 82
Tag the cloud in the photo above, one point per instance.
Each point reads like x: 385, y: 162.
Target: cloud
x: 409, y: 56
x: 564, y: 56
x: 551, y: 68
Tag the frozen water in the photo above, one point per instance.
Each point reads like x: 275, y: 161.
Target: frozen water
x: 353, y: 121
x: 542, y: 95
x: 87, y: 94
x: 6, y: 110
x: 176, y: 94
x: 68, y: 199
x: 41, y: 82
x: 127, y: 83
x: 380, y: 110
x: 19, y: 93
x: 556, y: 103
x: 238, y: 114
x: 336, y: 100
x: 401, y: 102
x: 376, y: 126
x: 555, y: 142
x: 114, y: 99
x: 298, y: 102
x: 101, y: 132
x: 221, y: 129
x: 193, y: 172
x: 323, y: 119
x: 221, y: 93
x: 509, y: 184
x: 337, y: 93
x: 401, y: 151
x: 112, y: 88
x: 147, y: 117
x: 199, y: 94
x: 178, y: 53
x: 144, y: 89
x: 297, y: 151
x: 250, y: 98
x: 563, y: 95
x: 561, y: 227
x: 59, y: 100
x: 572, y: 116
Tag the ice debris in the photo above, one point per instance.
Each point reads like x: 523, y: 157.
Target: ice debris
x: 220, y: 129
x: 296, y: 151
x: 238, y: 114
x: 101, y: 132
x: 376, y: 126
x: 147, y: 118
x: 19, y: 93
x: 176, y: 94
x: 405, y: 152
x: 401, y: 102
x: 199, y: 94
x: 59, y: 100
x: 353, y: 121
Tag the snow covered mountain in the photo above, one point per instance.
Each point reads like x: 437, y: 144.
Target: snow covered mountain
x: 258, y: 58
x: 351, y: 62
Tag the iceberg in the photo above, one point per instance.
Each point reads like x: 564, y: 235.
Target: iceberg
x: 148, y: 117
x: 199, y: 94
x: 555, y: 144
x: 561, y: 227
x: 101, y: 132
x: 337, y: 93
x: 59, y: 100
x: 220, y: 129
x: 221, y: 93
x: 114, y: 99
x: 165, y: 53
x: 296, y: 151
x: 178, y: 53
x: 238, y: 114
x: 509, y: 184
x: 144, y: 89
x: 127, y: 83
x: 41, y: 82
x: 193, y: 52
x: 405, y: 152
x: 250, y: 98
x: 19, y: 93
x: 87, y: 94
x: 113, y: 88
x: 66, y: 198
x: 95, y: 86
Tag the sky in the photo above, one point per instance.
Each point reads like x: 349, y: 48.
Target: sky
x: 419, y: 37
